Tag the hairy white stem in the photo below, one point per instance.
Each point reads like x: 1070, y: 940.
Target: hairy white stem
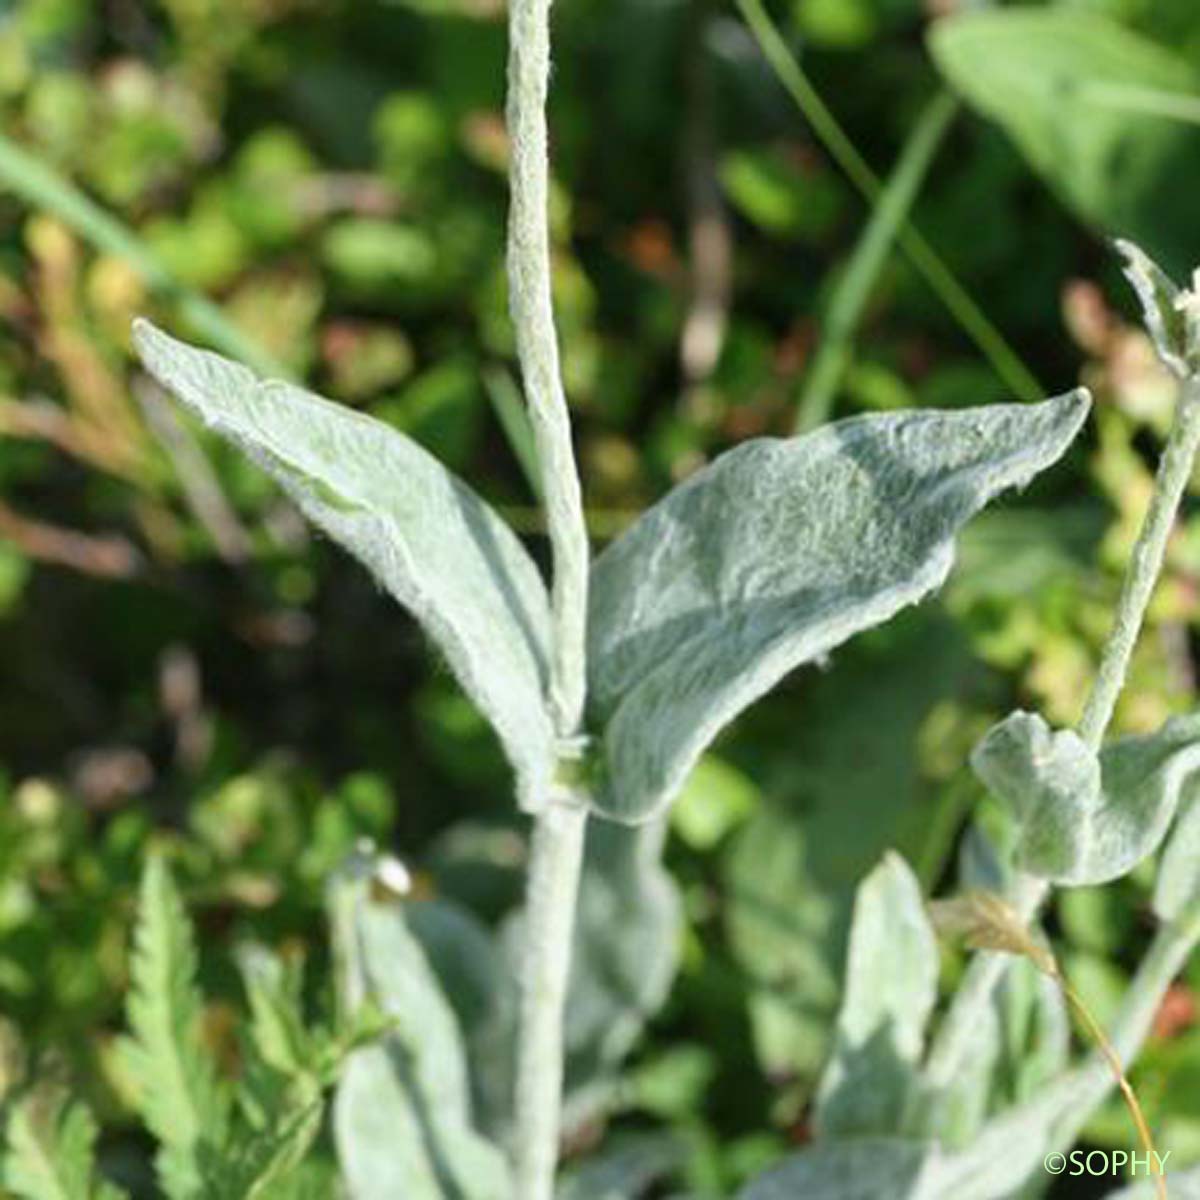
x: 954, y: 1040
x: 1174, y: 471
x: 554, y: 867
x: 558, y: 837
x: 537, y: 346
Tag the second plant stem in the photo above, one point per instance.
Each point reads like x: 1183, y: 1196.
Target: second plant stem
x: 556, y: 855
x: 955, y: 1038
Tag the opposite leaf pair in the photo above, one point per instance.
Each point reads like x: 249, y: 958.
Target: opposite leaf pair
x: 770, y: 558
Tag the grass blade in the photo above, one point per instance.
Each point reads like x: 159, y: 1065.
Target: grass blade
x: 870, y: 254
x: 43, y: 188
x: 958, y: 301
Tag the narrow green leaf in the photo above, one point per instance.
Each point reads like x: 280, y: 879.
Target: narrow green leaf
x: 773, y: 556
x: 426, y: 536
x: 257, y: 1161
x: 40, y: 186
x: 890, y: 991
x: 1088, y: 818
x: 957, y: 300
x: 402, y: 1113
x: 871, y: 252
x: 179, y: 1097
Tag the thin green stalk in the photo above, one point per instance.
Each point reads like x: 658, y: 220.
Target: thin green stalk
x: 558, y: 836
x: 870, y: 255
x: 41, y: 187
x: 974, y: 322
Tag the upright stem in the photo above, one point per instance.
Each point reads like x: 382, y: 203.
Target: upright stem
x: 554, y: 866
x: 987, y: 969
x: 557, y: 845
x: 1174, y: 471
x: 537, y: 347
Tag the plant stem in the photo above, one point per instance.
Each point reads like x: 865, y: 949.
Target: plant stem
x: 558, y: 835
x: 537, y: 347
x: 554, y: 868
x: 1174, y: 471
x: 870, y: 254
x: 38, y: 185
x: 957, y: 300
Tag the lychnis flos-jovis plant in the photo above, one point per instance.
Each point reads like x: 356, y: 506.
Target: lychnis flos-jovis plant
x: 605, y: 690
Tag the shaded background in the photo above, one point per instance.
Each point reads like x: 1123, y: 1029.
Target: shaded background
x: 182, y: 662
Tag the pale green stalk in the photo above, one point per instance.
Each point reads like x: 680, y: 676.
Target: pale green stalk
x: 974, y: 322
x: 41, y: 187
x: 537, y: 347
x: 1174, y: 471
x: 557, y: 844
x: 870, y: 254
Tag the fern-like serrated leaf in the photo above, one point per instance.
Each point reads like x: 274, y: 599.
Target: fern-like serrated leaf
x: 277, y: 1030
x: 50, y: 1153
x: 179, y: 1098
x: 256, y: 1161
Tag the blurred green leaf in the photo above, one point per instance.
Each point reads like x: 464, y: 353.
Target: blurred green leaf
x: 1069, y: 88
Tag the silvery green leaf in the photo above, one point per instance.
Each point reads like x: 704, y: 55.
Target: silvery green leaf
x: 481, y: 987
x: 1002, y: 1158
x: 955, y: 1113
x: 1088, y: 818
x: 426, y: 536
x: 1036, y: 1030
x: 617, y: 983
x: 402, y: 1113
x: 1007, y: 1153
x: 1178, y: 883
x: 1087, y: 102
x: 774, y: 555
x: 1159, y: 298
x: 626, y: 952
x: 861, y: 1169
x: 625, y: 1169
x: 891, y: 988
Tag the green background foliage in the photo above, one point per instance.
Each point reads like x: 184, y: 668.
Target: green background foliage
x: 186, y: 668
